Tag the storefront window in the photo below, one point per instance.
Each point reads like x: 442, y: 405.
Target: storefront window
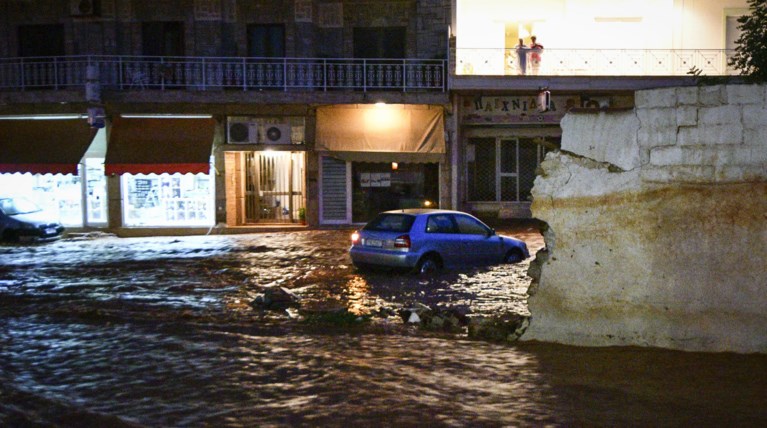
x: 502, y: 169
x: 95, y: 192
x: 168, y: 200
x: 379, y: 187
x: 59, y: 194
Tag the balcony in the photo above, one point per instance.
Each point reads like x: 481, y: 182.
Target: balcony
x: 586, y: 69
x: 210, y: 73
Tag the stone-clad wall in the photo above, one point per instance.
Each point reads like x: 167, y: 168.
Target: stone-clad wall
x: 657, y: 224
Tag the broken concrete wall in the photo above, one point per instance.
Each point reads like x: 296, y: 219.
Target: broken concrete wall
x: 657, y: 224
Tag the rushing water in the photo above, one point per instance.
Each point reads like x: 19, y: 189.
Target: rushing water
x: 160, y: 332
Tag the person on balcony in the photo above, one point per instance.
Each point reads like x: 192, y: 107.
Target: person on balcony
x: 522, y: 54
x: 535, y: 55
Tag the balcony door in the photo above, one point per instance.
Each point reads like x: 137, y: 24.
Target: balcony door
x: 266, y: 40
x: 41, y: 40
x: 163, y: 38
x: 379, y: 42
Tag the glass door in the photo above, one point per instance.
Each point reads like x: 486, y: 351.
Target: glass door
x: 274, y: 187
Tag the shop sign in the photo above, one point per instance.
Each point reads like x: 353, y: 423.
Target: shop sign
x: 515, y: 110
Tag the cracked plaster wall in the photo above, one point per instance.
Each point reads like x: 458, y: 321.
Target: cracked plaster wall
x: 657, y: 224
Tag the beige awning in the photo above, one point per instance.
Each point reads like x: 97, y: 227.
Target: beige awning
x: 387, y: 157
x: 388, y: 133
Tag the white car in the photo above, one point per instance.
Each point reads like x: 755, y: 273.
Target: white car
x: 22, y: 220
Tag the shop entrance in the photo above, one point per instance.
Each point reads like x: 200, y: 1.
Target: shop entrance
x: 273, y: 187
x: 502, y: 169
x: 387, y: 186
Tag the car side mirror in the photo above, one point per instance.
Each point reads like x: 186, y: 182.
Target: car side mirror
x: 490, y: 233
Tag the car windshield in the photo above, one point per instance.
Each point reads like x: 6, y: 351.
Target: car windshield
x: 14, y: 206
x: 391, y: 223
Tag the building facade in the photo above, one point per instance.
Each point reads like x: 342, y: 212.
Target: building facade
x: 182, y: 115
x: 587, y: 54
x: 224, y: 112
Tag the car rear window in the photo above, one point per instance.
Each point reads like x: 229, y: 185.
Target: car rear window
x: 14, y: 206
x: 391, y: 223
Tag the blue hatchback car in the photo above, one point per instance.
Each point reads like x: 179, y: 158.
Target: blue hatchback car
x: 425, y: 240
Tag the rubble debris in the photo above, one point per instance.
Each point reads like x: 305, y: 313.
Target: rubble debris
x: 277, y: 298
x: 506, y: 327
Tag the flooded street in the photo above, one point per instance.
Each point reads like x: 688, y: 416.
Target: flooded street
x: 162, y: 332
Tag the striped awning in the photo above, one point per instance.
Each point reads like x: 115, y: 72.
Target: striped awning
x: 51, y: 146
x: 159, y: 145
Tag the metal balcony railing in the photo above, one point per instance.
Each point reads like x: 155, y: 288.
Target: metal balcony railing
x: 207, y: 73
x: 593, y: 62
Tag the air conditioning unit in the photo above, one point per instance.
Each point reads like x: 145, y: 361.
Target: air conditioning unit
x: 596, y: 102
x: 85, y: 7
x: 242, y: 131
x: 277, y: 134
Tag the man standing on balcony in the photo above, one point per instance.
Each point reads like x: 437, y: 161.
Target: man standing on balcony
x: 522, y: 54
x: 535, y: 57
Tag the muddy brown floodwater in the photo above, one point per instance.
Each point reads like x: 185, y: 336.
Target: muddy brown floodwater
x: 161, y: 332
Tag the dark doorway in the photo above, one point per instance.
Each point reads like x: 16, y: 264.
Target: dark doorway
x: 41, y: 40
x: 481, y: 167
x: 379, y: 42
x: 266, y: 40
x: 163, y: 38
x: 378, y: 187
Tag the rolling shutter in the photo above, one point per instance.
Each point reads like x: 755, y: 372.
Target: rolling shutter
x: 334, y: 194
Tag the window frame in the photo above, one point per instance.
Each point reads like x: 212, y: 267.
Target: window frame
x: 450, y: 218
x: 485, y: 228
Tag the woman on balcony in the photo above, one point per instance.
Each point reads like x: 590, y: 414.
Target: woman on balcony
x: 535, y: 56
x: 522, y: 54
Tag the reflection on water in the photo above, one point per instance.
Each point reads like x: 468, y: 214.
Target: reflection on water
x: 177, y: 375
x: 159, y: 331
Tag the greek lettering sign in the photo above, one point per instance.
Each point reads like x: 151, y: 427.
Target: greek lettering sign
x: 515, y: 110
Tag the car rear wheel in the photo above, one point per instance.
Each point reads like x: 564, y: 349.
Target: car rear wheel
x: 514, y: 256
x: 427, y: 265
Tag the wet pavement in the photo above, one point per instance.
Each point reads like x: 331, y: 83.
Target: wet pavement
x: 162, y: 332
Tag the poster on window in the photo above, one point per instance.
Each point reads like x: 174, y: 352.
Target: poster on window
x: 365, y: 179
x: 168, y: 200
x: 138, y: 194
x: 380, y: 179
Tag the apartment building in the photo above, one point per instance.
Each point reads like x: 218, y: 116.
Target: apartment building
x: 181, y: 115
x: 186, y: 114
x: 595, y: 54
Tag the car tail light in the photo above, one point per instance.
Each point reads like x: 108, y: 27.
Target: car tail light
x: 355, y: 238
x: 402, y: 241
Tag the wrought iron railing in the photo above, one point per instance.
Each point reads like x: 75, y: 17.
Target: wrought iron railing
x: 206, y: 73
x: 593, y: 62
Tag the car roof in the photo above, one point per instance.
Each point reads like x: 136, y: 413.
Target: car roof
x: 421, y: 211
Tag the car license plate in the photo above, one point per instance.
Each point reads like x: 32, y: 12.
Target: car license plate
x: 50, y: 231
x: 374, y: 243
